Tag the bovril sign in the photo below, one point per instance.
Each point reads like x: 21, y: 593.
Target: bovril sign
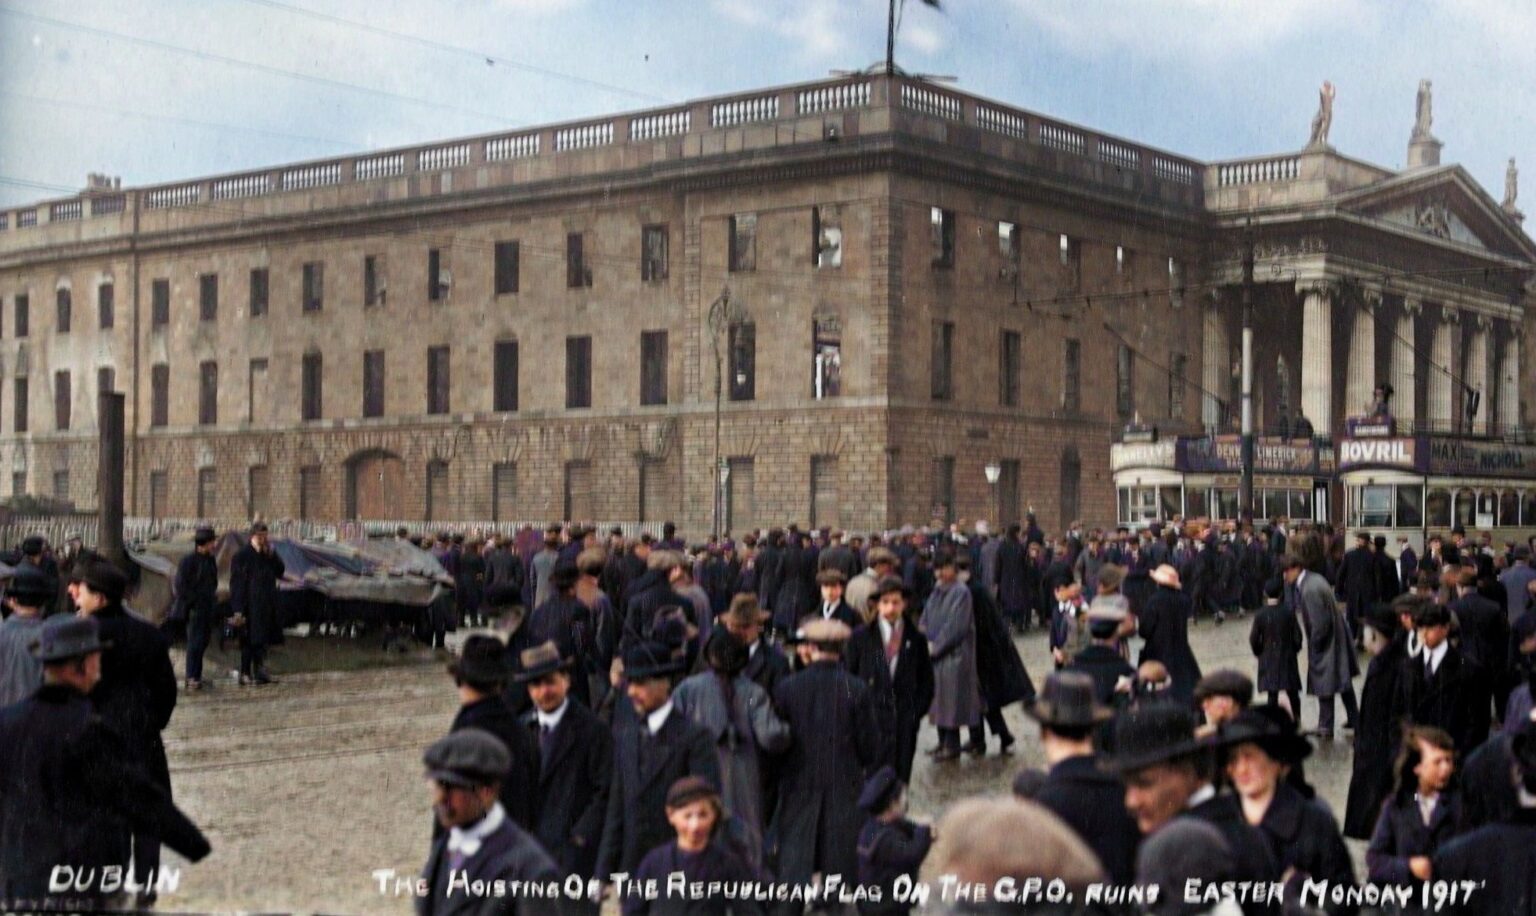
x: 1392, y: 453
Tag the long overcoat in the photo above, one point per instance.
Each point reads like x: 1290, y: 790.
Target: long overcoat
x: 949, y: 622
x: 137, y: 691
x: 574, y: 775
x: 1331, y: 661
x: 743, y: 731
x: 1378, y: 735
x: 253, y: 578
x: 999, y: 669
x: 1164, y: 625
x: 902, y: 698
x: 1276, y: 641
x: 644, y: 767
x: 835, y: 748
x: 1016, y: 588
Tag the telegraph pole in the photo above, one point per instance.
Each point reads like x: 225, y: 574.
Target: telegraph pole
x: 1245, y: 490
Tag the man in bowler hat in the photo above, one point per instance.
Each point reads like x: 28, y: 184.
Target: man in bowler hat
x: 69, y: 784
x: 478, y: 843
x: 575, y: 762
x: 480, y: 674
x: 1085, y: 797
x: 651, y: 751
x: 1169, y: 776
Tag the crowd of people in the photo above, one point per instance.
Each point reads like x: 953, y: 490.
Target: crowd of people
x: 746, y: 713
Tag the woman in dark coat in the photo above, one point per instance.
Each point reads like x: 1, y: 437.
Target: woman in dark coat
x: 1378, y: 731
x: 795, y: 596
x: 1276, y: 641
x: 1015, y: 585
x: 1164, y: 624
x: 1257, y: 754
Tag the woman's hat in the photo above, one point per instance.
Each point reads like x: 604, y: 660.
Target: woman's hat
x: 1253, y: 726
x: 1167, y: 576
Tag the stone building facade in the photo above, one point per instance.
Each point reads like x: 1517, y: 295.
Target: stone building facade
x: 906, y: 289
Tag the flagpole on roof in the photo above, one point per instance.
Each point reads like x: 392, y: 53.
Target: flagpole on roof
x: 890, y: 40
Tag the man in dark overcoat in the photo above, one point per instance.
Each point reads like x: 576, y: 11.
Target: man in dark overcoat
x: 1387, y: 583
x: 575, y: 763
x: 1441, y: 686
x: 836, y: 747
x: 1484, y: 630
x: 1101, y: 660
x: 253, y: 576
x: 71, y: 788
x: 1275, y: 640
x: 795, y: 596
x: 1357, y: 579
x: 651, y: 751
x: 890, y: 656
x: 137, y: 693
x: 1015, y: 585
x: 1382, y: 710
x: 196, y: 588
x: 480, y: 674
x: 477, y: 843
x: 1164, y: 625
x: 1087, y: 798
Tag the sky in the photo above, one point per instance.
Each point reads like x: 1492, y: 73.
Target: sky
x: 163, y: 90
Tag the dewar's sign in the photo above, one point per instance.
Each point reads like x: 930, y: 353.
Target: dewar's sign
x: 1392, y: 453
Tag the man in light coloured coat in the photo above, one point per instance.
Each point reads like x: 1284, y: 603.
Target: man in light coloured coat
x: 861, y: 588
x: 949, y: 623
x: 1330, y: 647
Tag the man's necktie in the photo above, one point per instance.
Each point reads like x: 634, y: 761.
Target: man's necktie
x: 893, y: 645
x: 546, y: 741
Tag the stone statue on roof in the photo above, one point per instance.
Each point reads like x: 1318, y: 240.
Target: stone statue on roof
x: 1511, y: 186
x: 1323, y: 120
x: 1423, y: 115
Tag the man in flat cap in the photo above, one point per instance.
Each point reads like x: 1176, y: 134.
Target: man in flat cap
x: 196, y: 588
x: 836, y: 745
x: 575, y: 762
x: 253, y: 576
x: 480, y: 844
x: 651, y: 751
x: 831, y: 582
x: 28, y: 592
x: 69, y: 783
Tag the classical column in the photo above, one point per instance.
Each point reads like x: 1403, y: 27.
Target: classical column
x: 1404, y: 379
x: 1442, y: 396
x: 1360, y: 377
x: 1509, y: 377
x: 1213, y: 362
x: 1317, y: 356
x: 1476, y: 375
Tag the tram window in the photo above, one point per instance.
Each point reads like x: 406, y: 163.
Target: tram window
x: 1374, y: 508
x: 1125, y: 505
x: 1466, y: 508
x: 1301, y: 504
x: 1509, y: 508
x: 1410, y: 506
x: 1171, y: 499
x: 1226, y: 504
x: 1141, y: 504
x: 1274, y: 503
x: 1437, y: 508
x: 1195, y: 503
x: 1528, y: 508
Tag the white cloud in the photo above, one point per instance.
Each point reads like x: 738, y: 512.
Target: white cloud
x: 921, y: 38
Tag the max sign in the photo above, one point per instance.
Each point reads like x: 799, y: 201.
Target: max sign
x: 1396, y: 453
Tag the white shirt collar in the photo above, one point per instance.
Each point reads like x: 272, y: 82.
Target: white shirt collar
x: 467, y: 841
x: 552, y: 719
x: 657, y: 719
x: 1436, y: 655
x: 885, y: 630
x: 752, y: 649
x: 1202, y: 795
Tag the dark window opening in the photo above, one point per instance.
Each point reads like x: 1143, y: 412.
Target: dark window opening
x: 105, y: 304
x: 63, y: 310
x: 312, y: 373
x: 373, y: 383
x: 208, y: 297
x: 653, y: 368
x: 314, y: 286
x: 62, y: 401
x: 577, y: 272
x: 578, y: 372
x: 504, y: 371
x: 653, y: 253
x: 160, y: 395
x: 743, y: 361
x: 208, y: 393
x: 943, y: 388
x: 160, y: 303
x: 259, y: 290
x: 507, y: 256
x: 437, y: 380
x: 942, y: 227
x: 743, y: 242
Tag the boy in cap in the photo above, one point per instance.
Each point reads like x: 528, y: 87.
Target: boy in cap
x: 699, y: 853
x: 479, y: 842
x: 25, y: 597
x: 69, y: 785
x: 196, y: 587
x: 890, y: 845
x: 833, y: 607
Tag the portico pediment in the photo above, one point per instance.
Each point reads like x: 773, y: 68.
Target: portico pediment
x: 1441, y: 203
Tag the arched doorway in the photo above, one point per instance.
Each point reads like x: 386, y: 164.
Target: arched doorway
x: 375, y: 486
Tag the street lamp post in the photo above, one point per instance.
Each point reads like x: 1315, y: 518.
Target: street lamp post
x: 721, y: 315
